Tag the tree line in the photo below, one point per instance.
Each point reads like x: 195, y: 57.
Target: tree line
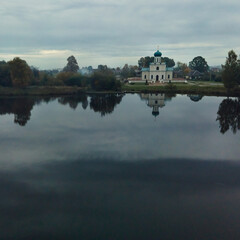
x: 17, y: 73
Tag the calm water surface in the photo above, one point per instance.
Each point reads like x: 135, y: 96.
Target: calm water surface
x: 111, y: 167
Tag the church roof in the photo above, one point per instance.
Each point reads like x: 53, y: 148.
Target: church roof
x: 157, y: 54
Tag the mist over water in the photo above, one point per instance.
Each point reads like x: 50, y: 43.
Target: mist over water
x: 120, y: 167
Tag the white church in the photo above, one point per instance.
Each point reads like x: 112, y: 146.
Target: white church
x: 157, y: 71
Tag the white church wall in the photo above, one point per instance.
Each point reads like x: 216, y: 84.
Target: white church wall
x: 145, y: 76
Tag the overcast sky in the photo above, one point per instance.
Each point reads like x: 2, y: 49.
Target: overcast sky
x: 113, y: 32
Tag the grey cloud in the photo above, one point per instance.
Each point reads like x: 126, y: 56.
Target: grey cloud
x: 123, y: 28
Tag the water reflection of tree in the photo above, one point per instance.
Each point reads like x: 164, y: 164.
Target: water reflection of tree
x: 169, y: 96
x: 228, y: 115
x: 47, y: 99
x: 74, y: 101
x: 195, y: 98
x: 20, y: 107
x: 105, y: 103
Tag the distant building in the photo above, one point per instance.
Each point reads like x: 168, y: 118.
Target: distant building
x: 178, y: 73
x: 216, y: 69
x: 157, y: 71
x: 195, y: 74
x: 86, y: 70
x: 138, y: 73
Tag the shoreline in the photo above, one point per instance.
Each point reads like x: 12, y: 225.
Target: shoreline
x: 173, y: 89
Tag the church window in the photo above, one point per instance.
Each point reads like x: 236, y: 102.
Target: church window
x: 151, y: 76
x: 145, y: 76
x: 168, y: 76
x: 156, y: 102
x: 157, y: 68
x: 162, y: 76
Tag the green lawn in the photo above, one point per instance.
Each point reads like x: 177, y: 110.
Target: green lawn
x: 47, y: 90
x: 204, y: 83
x: 203, y: 88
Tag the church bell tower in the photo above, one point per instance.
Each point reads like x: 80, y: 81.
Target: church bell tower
x: 157, y: 57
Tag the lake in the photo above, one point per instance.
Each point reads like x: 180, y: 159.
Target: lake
x: 115, y: 166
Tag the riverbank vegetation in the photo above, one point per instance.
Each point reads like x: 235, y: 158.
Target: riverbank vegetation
x: 202, y: 88
x: 17, y: 74
x: 18, y: 78
x: 231, y: 71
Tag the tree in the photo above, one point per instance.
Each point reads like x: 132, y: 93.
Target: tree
x: 72, y: 65
x: 169, y: 62
x: 63, y: 77
x: 90, y: 68
x: 199, y: 64
x: 181, y: 66
x: 132, y: 70
x: 186, y: 71
x: 105, y: 70
x: 104, y: 81
x: 21, y: 73
x: 144, y: 62
x: 46, y: 79
x: 102, y: 67
x: 71, y: 79
x: 5, y: 76
x: 182, y: 69
x: 125, y: 71
x: 128, y: 71
x: 231, y: 71
x: 36, y: 76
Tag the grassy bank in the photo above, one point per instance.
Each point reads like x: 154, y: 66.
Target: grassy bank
x: 39, y: 91
x: 196, y: 88
x: 200, y: 89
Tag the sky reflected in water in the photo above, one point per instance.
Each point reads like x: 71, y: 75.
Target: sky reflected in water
x: 120, y: 167
x: 123, y: 130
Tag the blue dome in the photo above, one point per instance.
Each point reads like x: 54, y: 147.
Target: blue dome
x: 157, y: 54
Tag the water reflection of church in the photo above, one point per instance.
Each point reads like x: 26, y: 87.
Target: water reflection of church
x: 155, y: 101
